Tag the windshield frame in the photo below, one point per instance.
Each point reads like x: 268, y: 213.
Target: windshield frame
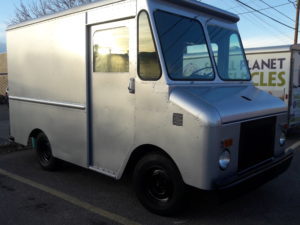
x: 235, y: 31
x: 207, y: 42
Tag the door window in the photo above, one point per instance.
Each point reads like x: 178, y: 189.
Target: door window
x: 148, y: 62
x: 111, y: 50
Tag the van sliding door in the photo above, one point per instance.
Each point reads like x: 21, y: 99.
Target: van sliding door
x: 112, y: 50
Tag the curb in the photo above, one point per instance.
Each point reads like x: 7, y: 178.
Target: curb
x: 7, y: 146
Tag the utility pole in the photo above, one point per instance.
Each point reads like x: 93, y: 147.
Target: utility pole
x: 297, y: 23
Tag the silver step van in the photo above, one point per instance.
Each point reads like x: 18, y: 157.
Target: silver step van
x: 148, y: 85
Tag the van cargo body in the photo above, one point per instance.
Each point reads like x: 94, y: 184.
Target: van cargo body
x: 147, y: 85
x: 277, y: 71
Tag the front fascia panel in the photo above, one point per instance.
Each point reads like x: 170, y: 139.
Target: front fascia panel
x: 233, y: 131
x: 195, y: 146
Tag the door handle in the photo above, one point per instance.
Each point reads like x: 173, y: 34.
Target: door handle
x: 131, y: 86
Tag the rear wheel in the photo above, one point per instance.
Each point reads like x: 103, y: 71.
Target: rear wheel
x: 44, y: 153
x: 158, y: 184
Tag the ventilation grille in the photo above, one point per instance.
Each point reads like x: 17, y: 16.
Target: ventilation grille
x: 256, y: 142
x: 177, y: 119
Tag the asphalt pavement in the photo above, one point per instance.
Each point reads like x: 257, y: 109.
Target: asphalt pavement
x: 74, y: 195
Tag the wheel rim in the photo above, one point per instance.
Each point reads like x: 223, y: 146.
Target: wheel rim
x: 159, y: 186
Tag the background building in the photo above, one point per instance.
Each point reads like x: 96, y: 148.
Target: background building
x: 3, y: 73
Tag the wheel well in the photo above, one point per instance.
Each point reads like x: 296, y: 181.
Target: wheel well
x: 140, y: 152
x: 33, y: 134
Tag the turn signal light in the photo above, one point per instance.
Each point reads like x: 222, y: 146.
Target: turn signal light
x: 227, y: 143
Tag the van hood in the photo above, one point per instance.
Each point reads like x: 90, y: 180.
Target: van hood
x: 216, y: 105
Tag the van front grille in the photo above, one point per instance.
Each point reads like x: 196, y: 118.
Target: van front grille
x: 256, y: 142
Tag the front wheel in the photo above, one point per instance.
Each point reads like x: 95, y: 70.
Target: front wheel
x: 44, y: 153
x: 158, y: 184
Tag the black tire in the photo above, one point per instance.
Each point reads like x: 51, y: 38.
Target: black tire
x: 2, y: 99
x: 44, y: 153
x: 159, y: 185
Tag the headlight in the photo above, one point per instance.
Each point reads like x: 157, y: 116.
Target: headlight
x: 282, y: 140
x: 224, y: 159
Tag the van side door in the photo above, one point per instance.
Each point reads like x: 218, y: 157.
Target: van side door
x: 113, y: 49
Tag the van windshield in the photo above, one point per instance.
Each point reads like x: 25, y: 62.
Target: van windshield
x: 228, y: 54
x: 184, y: 47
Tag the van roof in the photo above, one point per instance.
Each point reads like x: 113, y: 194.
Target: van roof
x: 202, y: 7
x: 208, y: 9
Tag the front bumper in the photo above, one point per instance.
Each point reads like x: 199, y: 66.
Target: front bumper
x: 259, y: 174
